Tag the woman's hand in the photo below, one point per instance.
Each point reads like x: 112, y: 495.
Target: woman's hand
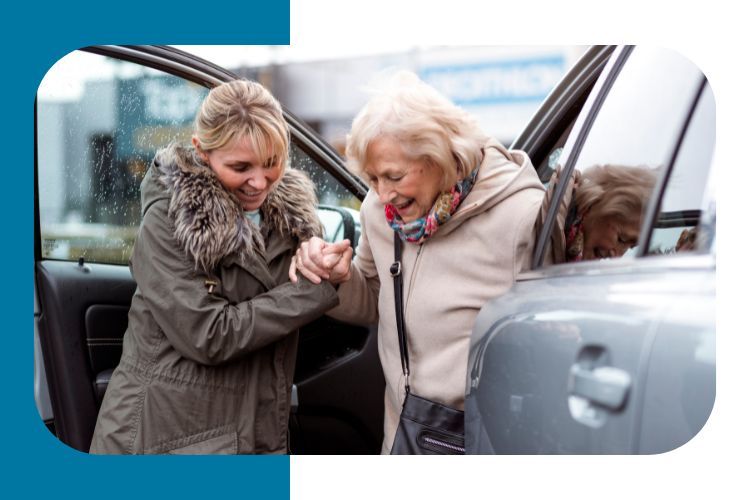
x: 315, y: 260
x: 342, y: 270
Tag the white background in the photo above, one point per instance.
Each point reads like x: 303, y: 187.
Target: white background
x: 714, y: 36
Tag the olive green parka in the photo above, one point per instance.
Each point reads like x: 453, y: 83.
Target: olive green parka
x: 209, y: 353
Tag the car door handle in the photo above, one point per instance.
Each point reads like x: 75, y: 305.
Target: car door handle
x: 604, y: 385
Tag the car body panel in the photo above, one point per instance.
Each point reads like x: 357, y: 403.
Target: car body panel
x: 681, y: 379
x: 520, y: 367
x: 588, y: 332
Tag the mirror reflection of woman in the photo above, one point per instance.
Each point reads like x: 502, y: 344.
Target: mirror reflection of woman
x: 210, y: 348
x: 601, y: 212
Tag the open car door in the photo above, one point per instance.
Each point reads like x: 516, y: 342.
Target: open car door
x: 100, y: 114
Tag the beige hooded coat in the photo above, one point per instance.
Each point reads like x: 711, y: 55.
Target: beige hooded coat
x: 472, y: 258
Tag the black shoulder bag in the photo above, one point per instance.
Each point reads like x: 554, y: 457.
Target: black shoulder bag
x: 425, y: 427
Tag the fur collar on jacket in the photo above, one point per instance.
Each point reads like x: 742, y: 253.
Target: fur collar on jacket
x: 209, y: 222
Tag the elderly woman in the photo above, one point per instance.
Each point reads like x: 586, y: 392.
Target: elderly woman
x: 211, y: 342
x: 601, y: 212
x: 463, y: 205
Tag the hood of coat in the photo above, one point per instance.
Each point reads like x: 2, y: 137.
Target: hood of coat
x: 208, y: 220
x: 502, y: 174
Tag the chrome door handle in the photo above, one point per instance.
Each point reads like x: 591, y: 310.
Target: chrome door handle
x: 605, y: 385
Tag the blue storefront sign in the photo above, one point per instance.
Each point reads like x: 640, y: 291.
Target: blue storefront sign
x: 497, y: 82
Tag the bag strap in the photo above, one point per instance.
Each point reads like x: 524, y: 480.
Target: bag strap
x: 398, y: 297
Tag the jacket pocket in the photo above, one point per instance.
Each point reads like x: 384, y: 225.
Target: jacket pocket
x: 219, y: 441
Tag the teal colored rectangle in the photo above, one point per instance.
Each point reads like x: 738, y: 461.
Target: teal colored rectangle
x: 35, y: 35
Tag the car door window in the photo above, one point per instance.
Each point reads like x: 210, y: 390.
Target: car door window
x: 676, y: 229
x: 338, y: 207
x: 644, y: 111
x: 99, y: 122
x: 631, y: 141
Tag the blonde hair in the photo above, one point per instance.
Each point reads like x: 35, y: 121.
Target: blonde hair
x: 615, y: 191
x: 426, y: 124
x: 243, y: 109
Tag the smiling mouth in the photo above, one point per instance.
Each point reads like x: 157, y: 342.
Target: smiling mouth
x: 250, y: 194
x: 403, y: 206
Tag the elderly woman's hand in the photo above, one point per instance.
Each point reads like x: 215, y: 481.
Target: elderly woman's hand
x: 315, y: 260
x: 342, y: 270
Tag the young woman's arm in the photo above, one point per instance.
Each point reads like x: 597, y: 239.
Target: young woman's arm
x: 206, y: 327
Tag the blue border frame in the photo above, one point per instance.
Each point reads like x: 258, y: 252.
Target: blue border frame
x: 34, y: 37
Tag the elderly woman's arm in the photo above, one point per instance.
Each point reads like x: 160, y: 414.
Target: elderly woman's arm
x: 358, y: 297
x: 531, y: 205
x: 358, y: 282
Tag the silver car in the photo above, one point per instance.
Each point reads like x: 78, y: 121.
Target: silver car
x: 610, y: 356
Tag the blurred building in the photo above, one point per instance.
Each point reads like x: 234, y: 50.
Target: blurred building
x: 501, y: 86
x: 95, y: 147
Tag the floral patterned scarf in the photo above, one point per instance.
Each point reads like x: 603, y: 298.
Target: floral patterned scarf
x: 574, y: 235
x: 445, y: 206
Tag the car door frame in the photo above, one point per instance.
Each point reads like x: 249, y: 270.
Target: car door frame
x: 560, y: 107
x: 569, y: 157
x: 570, y: 154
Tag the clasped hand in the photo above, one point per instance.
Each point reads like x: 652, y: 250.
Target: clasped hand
x: 319, y: 260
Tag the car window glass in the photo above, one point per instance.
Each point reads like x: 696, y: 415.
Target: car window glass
x: 339, y: 206
x: 632, y: 137
x: 644, y: 111
x: 676, y: 228
x: 99, y: 123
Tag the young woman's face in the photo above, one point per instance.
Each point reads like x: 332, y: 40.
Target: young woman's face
x: 242, y: 172
x: 411, y: 186
x: 605, y: 237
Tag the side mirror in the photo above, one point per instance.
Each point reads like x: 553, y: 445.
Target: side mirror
x: 339, y: 223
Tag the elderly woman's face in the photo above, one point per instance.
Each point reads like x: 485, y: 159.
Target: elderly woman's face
x: 605, y: 237
x: 411, y: 186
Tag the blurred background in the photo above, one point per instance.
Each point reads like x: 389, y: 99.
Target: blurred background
x: 100, y: 120
x: 501, y: 86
